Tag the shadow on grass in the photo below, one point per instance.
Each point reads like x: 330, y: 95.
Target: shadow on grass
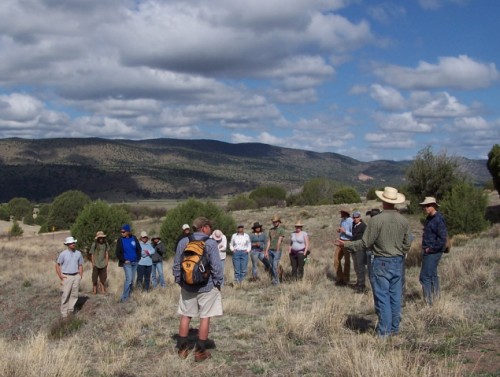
x: 193, y: 338
x: 359, y: 324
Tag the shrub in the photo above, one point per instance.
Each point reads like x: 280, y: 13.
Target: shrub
x: 4, y: 213
x: 318, y: 191
x: 43, y: 214
x: 346, y: 195
x: 20, y: 208
x: 29, y: 220
x: 185, y: 213
x: 16, y: 230
x: 98, y: 216
x: 267, y: 196
x: 371, y: 195
x: 431, y: 175
x: 464, y: 209
x: 494, y: 166
x: 241, y: 202
x: 65, y: 209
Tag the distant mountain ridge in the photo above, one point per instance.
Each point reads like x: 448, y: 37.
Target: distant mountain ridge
x: 118, y: 170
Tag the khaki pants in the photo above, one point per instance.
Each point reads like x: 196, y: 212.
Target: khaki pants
x: 343, y: 274
x: 69, y: 297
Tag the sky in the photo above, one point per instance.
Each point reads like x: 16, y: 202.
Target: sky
x: 363, y: 78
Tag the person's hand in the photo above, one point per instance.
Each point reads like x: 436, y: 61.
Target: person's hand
x: 338, y: 242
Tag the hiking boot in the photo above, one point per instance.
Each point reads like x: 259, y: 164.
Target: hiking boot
x: 183, y: 353
x: 201, y: 355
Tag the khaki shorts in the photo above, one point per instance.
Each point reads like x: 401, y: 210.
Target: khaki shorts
x: 203, y: 305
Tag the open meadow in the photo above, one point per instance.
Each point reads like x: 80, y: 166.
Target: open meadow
x: 306, y: 328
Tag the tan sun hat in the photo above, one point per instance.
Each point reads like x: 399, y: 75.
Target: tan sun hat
x: 391, y: 195
x: 275, y: 218
x: 429, y: 200
x: 144, y: 234
x: 217, y: 235
x: 100, y: 234
x: 299, y: 223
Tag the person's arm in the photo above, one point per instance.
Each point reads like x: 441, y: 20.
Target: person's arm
x: 268, y: 244
x: 290, y: 246
x: 306, y: 243
x: 231, y: 243
x: 59, y: 272
x: 248, y: 243
x: 176, y: 267
x: 106, y: 255
x: 80, y: 270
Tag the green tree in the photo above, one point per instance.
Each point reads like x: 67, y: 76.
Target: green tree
x: 318, y: 191
x: 267, y: 196
x: 464, y: 209
x: 43, y: 214
x: 346, y: 195
x: 20, y: 208
x: 65, y: 209
x: 240, y: 202
x: 371, y: 195
x: 16, y: 230
x: 431, y: 175
x: 4, y: 213
x: 97, y: 216
x: 185, y: 213
x: 494, y: 166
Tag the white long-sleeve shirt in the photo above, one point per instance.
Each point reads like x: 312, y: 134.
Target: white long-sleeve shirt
x: 240, y: 241
x: 222, y: 245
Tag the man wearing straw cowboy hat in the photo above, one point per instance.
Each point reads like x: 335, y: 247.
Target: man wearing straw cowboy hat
x: 388, y: 236
x: 69, y: 268
x: 99, y: 255
x: 274, y: 247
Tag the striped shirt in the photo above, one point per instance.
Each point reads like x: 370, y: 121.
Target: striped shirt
x: 387, y: 235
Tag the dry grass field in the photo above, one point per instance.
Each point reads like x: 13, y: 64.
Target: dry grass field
x: 307, y: 328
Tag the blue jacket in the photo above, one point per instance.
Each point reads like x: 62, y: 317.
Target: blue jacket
x: 435, y: 234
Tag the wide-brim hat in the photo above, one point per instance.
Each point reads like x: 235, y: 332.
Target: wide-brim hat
x: 144, y: 234
x: 390, y: 195
x: 299, y: 224
x: 345, y: 210
x: 275, y: 218
x: 69, y: 240
x: 429, y: 200
x: 217, y: 235
x: 256, y: 225
x: 100, y: 234
x: 156, y: 237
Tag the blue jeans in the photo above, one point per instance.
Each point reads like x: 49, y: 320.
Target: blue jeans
x: 274, y: 260
x: 130, y: 269
x: 386, y: 279
x: 240, y: 264
x: 429, y: 276
x: 158, y: 268
x: 256, y: 256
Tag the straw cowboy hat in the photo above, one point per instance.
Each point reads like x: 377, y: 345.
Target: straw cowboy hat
x: 275, y: 218
x: 429, y: 200
x: 299, y: 224
x: 391, y: 195
x: 100, y: 234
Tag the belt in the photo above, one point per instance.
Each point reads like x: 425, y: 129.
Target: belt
x: 76, y: 273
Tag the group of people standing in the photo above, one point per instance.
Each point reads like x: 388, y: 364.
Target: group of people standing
x: 267, y: 248
x: 380, y: 244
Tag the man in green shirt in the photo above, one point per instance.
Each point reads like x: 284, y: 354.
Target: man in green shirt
x: 388, y: 236
x: 273, y: 248
x: 99, y: 253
